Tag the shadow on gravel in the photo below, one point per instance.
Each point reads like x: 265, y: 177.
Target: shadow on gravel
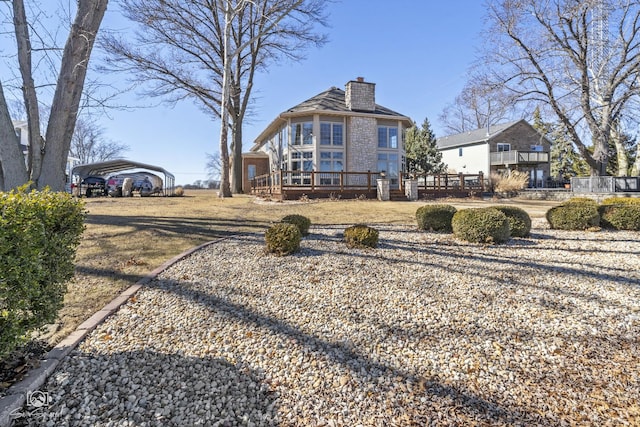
x: 365, y: 369
x: 153, y: 389
x: 199, y: 227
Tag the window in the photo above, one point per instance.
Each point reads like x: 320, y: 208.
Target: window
x: 388, y: 162
x: 303, y: 134
x: 459, y: 152
x: 503, y: 147
x: 301, y: 162
x: 387, y: 137
x: 251, y: 171
x: 536, y: 148
x: 331, y: 161
x: 331, y: 134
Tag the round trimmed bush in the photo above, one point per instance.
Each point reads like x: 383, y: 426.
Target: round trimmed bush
x: 620, y: 214
x: 575, y: 214
x: 435, y: 217
x: 481, y: 225
x: 519, y: 220
x: 302, y: 222
x: 283, y: 239
x: 361, y: 236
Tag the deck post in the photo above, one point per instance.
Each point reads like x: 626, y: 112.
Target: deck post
x: 341, y: 180
x: 313, y: 181
x: 461, y: 178
x: 369, y: 180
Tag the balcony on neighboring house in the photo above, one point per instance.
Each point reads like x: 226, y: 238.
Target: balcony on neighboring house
x: 518, y: 158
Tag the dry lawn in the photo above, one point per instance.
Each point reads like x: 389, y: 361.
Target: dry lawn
x: 126, y: 238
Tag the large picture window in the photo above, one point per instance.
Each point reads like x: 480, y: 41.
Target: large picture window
x: 331, y: 134
x: 301, y: 165
x: 302, y: 134
x: 388, y: 162
x: 331, y: 161
x: 387, y: 137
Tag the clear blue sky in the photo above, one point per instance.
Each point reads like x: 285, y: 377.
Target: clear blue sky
x: 416, y: 51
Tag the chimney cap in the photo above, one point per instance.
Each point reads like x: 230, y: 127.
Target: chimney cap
x: 360, y: 79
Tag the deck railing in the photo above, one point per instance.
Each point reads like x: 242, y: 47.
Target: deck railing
x: 447, y: 181
x: 276, y: 182
x: 605, y: 184
x: 279, y: 182
x: 518, y: 157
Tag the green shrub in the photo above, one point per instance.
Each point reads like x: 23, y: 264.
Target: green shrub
x: 481, y: 225
x: 575, y: 214
x: 361, y: 236
x: 623, y: 215
x: 435, y: 217
x: 621, y: 201
x: 581, y: 200
x: 302, y: 222
x: 519, y: 220
x: 39, y: 234
x: 283, y: 239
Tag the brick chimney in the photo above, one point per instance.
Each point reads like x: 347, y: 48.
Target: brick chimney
x: 360, y: 95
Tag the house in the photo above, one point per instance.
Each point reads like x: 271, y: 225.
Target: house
x: 498, y: 149
x: 336, y: 140
x: 22, y: 132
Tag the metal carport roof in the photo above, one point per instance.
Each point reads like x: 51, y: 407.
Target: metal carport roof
x: 118, y: 165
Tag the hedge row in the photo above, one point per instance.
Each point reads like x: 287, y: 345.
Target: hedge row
x: 496, y: 224
x: 39, y: 234
x: 581, y: 213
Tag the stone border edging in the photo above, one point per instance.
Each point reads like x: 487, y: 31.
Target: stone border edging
x: 17, y: 393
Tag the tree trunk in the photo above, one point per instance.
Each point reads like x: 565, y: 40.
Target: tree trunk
x: 36, y: 144
x: 622, y: 156
x: 236, y: 164
x: 225, y: 189
x: 12, y: 167
x: 64, y: 109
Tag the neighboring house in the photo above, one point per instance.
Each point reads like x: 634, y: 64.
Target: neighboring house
x: 501, y: 148
x: 336, y: 130
x: 22, y: 132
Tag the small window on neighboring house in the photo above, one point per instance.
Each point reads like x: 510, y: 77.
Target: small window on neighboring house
x: 459, y: 152
x: 537, y: 148
x: 251, y: 171
x: 503, y: 147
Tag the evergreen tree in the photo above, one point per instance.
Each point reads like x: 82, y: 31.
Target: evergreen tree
x: 421, y: 151
x: 564, y: 160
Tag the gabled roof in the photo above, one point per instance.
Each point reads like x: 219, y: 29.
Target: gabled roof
x: 329, y: 102
x: 475, y: 136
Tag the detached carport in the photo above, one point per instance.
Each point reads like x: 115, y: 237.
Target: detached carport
x: 119, y: 165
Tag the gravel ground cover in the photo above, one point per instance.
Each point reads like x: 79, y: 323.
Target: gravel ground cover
x: 424, y: 330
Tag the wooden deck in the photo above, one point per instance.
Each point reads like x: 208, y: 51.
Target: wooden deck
x: 292, y: 185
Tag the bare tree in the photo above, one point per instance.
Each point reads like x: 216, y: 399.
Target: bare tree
x: 89, y: 143
x: 479, y: 105
x: 209, y: 51
x: 48, y: 156
x: 213, y: 166
x: 564, y: 53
